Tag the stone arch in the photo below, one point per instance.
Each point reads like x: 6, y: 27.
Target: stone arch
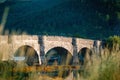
x: 59, y: 54
x: 85, y: 55
x: 27, y: 54
x: 68, y: 47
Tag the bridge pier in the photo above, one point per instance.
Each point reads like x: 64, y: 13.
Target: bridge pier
x: 42, y: 48
x: 97, y: 48
x: 75, y: 55
x: 75, y: 59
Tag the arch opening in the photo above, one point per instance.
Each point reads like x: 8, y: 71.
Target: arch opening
x: 59, y: 56
x: 26, y: 54
x: 85, y: 56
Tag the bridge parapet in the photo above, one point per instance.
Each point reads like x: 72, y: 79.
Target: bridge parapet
x: 24, y: 38
x: 3, y: 39
x: 84, y: 43
x: 58, y: 38
x: 56, y: 41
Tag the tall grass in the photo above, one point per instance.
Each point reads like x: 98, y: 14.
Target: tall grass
x: 106, y: 67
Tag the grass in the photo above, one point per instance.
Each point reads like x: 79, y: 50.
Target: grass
x: 103, y: 68
x: 108, y: 68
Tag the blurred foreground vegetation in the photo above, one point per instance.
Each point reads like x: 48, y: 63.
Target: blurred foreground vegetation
x: 104, y: 67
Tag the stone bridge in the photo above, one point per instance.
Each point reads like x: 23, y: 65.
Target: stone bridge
x: 10, y: 45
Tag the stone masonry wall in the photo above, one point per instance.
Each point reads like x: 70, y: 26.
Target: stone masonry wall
x: 10, y: 44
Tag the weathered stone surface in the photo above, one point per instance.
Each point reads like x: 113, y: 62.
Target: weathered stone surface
x: 13, y: 42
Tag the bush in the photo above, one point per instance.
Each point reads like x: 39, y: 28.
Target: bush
x: 113, y: 43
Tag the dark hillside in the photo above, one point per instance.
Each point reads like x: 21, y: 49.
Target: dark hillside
x: 68, y: 18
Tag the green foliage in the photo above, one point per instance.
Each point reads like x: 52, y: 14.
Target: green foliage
x: 6, y: 71
x: 109, y: 68
x: 77, y: 35
x: 6, y: 68
x: 105, y: 69
x: 113, y: 43
x: 69, y: 17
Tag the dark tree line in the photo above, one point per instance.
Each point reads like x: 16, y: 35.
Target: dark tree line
x: 109, y: 8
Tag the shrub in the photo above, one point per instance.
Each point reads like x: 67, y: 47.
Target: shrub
x: 113, y: 43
